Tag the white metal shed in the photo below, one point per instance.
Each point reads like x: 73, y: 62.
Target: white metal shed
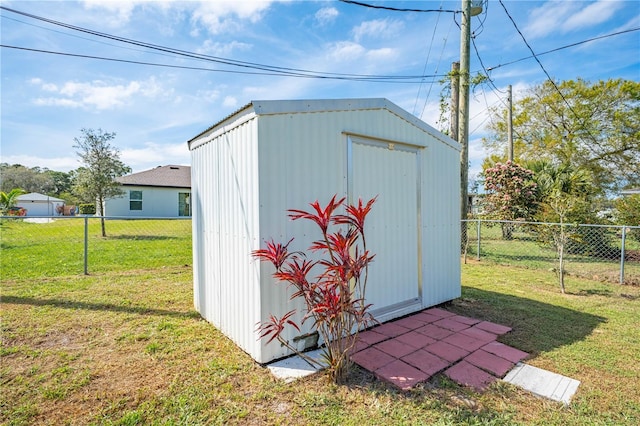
x: 270, y: 156
x: 38, y: 204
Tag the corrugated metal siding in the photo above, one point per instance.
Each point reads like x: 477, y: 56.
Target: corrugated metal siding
x: 302, y: 159
x: 441, y: 225
x: 248, y: 171
x: 392, y: 229
x: 226, y: 178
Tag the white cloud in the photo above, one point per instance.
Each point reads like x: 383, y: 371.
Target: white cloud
x: 382, y: 54
x: 208, y: 95
x: 121, y: 10
x: 63, y: 164
x: 477, y: 154
x: 225, y: 15
x: 348, y: 51
x: 592, y: 15
x: 345, y: 51
x: 223, y: 49
x: 547, y: 18
x: 378, y: 28
x: 230, y: 101
x: 566, y: 16
x: 97, y: 94
x: 326, y: 15
x: 154, y: 154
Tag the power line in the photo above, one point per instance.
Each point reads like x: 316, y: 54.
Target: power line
x: 397, y: 9
x: 444, y: 45
x: 371, y: 79
x: 475, y: 48
x: 80, y: 37
x: 224, y: 61
x: 565, y: 47
x: 553, y: 83
x: 426, y: 61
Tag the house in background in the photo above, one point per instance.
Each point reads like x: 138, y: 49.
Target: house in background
x: 161, y: 192
x: 40, y: 204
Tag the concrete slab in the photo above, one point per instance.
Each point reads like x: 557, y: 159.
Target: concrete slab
x: 391, y: 329
x: 401, y: 374
x: 490, y: 362
x: 426, y: 362
x: 434, y: 332
x: 507, y: 352
x: 446, y: 351
x: 493, y: 327
x: 464, y: 341
x: 543, y: 383
x: 451, y: 324
x: 466, y: 374
x: 371, y: 358
x: 292, y: 368
x: 395, y: 348
x: 415, y: 339
x: 442, y: 313
x: 371, y: 337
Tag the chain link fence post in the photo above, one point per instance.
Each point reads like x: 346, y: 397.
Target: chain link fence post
x: 479, y: 224
x: 86, y: 245
x: 622, y: 255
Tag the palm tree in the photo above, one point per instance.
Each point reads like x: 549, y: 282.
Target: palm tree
x: 563, y: 189
x: 8, y: 200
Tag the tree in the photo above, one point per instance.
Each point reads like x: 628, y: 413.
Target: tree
x: 9, y: 199
x: 60, y: 182
x: 594, y: 127
x: 96, y: 181
x: 563, y: 182
x: 29, y: 179
x: 511, y: 194
x: 628, y: 213
x: 628, y: 209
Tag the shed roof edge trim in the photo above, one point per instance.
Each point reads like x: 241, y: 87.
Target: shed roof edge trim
x: 272, y: 107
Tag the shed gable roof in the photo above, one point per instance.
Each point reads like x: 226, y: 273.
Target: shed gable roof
x: 36, y: 196
x: 171, y: 176
x: 271, y: 107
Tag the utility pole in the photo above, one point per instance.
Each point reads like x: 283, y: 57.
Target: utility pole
x: 463, y: 112
x: 510, y: 123
x: 455, y: 92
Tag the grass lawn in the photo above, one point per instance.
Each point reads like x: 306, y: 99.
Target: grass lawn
x: 39, y: 250
x: 525, y: 250
x: 125, y: 347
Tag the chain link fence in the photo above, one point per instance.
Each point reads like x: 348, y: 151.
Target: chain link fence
x: 603, y: 253
x: 68, y: 245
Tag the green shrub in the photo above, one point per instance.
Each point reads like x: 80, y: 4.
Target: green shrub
x: 87, y: 208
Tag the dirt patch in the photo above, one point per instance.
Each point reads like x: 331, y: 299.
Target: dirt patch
x: 632, y: 255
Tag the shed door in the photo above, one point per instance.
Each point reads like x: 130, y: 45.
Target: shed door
x: 390, y: 171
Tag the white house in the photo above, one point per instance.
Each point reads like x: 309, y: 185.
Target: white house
x: 161, y: 192
x: 39, y: 204
x: 270, y: 156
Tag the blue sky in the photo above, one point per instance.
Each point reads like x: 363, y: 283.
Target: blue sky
x: 47, y: 98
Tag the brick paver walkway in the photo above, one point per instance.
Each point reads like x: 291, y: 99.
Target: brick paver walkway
x: 415, y: 348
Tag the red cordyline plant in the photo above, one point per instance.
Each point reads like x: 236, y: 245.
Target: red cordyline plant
x: 335, y: 297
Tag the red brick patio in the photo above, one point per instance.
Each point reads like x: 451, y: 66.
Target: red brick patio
x: 415, y: 348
